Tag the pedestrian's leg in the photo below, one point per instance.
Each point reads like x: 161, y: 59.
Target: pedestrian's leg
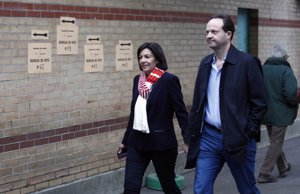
x: 243, y: 173
x: 164, y: 164
x: 136, y: 164
x: 209, y: 162
x: 276, y: 135
x: 282, y: 163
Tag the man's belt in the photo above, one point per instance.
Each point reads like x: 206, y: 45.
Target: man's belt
x: 213, y: 127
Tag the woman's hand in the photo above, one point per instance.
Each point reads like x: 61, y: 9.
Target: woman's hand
x: 122, y: 151
x: 121, y: 147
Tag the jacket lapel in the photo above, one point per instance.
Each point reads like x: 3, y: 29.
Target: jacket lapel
x: 154, y: 90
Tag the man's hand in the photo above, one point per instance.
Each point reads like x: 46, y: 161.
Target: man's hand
x: 185, y: 148
x: 255, y: 134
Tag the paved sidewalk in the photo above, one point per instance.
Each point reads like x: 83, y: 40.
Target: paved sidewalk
x: 226, y: 184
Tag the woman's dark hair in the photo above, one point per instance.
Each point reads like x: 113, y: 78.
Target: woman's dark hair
x: 158, y: 53
x: 228, y: 24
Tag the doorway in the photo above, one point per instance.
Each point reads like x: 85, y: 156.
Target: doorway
x: 247, y: 30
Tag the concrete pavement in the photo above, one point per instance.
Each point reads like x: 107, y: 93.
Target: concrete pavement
x: 226, y: 184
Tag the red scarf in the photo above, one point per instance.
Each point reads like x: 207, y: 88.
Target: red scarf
x: 145, y: 83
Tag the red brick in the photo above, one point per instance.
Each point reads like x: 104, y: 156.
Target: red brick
x: 34, y: 14
x: 27, y: 144
x: 62, y: 130
x: 80, y: 134
x: 92, y: 131
x: 34, y: 135
x: 129, y: 17
x: 124, y: 125
x: 72, y: 14
x: 67, y: 8
x: 103, y: 10
x: 5, y: 13
x: 115, y: 10
x: 55, y: 139
x: 119, y: 17
x: 146, y: 12
x: 99, y: 16
x: 48, y: 133
x: 74, y: 128
x: 10, y: 5
x: 114, y: 127
x: 162, y: 13
x: 167, y: 19
x: 187, y: 14
x: 26, y: 6
x: 158, y: 19
x: 11, y: 147
x: 19, y: 138
x: 151, y: 12
x: 80, y: 8
x: 5, y: 140
x: 135, y: 11
x: 98, y: 124
x: 87, y: 126
x: 40, y: 7
x: 1, y: 149
x: 54, y: 7
x: 122, y: 120
x: 175, y: 13
x: 108, y: 16
x: 87, y: 16
x: 149, y: 18
x: 41, y: 141
x: 47, y: 14
x: 110, y: 121
x: 68, y: 136
x: 139, y: 18
x: 91, y: 9
x: 58, y: 14
x: 103, y: 129
x: 125, y: 11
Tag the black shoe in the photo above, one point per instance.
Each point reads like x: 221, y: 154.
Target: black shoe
x: 284, y: 173
x: 265, y: 178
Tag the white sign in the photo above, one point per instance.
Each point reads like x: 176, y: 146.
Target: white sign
x: 39, y: 57
x: 124, y: 56
x: 67, y: 40
x: 93, y: 58
x: 39, y: 34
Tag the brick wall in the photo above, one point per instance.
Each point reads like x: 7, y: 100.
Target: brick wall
x: 66, y: 125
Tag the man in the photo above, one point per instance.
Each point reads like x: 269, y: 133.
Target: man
x: 228, y: 106
x: 281, y: 85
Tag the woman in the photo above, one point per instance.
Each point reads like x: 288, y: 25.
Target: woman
x: 150, y: 132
